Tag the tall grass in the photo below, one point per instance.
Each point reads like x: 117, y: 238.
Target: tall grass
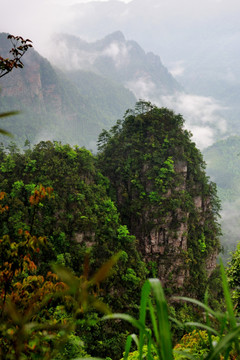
x: 158, y: 338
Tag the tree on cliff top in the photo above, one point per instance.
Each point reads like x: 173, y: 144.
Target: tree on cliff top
x: 163, y: 194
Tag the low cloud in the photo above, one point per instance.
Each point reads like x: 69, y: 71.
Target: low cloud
x: 176, y: 68
x: 202, y: 116
x: 202, y: 136
x: 70, y: 56
x: 142, y: 87
x: 119, y: 52
x: 230, y: 223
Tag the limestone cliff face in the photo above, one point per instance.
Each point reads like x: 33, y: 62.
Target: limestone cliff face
x: 161, y: 244
x: 164, y: 196
x: 169, y: 247
x: 34, y: 86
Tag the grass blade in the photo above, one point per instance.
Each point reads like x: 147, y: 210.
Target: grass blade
x: 9, y: 113
x: 207, y: 309
x: 229, y: 304
x: 209, y: 331
x: 231, y: 337
x: 154, y: 321
x: 125, y: 317
x: 165, y: 341
x: 127, y: 347
x: 142, y: 316
x: 6, y: 133
x: 202, y: 326
x: 149, y: 349
x: 227, y: 296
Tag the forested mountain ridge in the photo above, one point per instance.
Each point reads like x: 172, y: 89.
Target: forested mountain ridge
x: 53, y: 107
x: 118, y: 59
x: 197, y: 41
x: 55, y: 194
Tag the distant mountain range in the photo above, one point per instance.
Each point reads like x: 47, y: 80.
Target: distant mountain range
x: 55, y: 107
x: 97, y: 83
x: 198, y: 41
x: 123, y: 61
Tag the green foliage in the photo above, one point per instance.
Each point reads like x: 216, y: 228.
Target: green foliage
x: 202, y: 243
x: 195, y: 344
x: 160, y: 336
x: 158, y: 181
x: 233, y: 273
x: 215, y: 338
x: 55, y: 192
x: 31, y: 328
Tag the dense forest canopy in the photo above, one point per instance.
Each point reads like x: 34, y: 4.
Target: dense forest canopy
x: 54, y: 192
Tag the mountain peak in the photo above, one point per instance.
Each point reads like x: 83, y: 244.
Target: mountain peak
x: 116, y: 35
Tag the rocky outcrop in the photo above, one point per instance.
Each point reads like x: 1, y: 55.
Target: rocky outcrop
x: 31, y: 88
x: 169, y: 248
x: 165, y: 197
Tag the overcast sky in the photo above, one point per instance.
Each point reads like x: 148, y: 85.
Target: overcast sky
x: 198, y: 39
x: 36, y: 19
x: 170, y: 18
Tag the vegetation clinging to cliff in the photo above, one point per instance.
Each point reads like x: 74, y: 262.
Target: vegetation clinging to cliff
x: 158, y: 181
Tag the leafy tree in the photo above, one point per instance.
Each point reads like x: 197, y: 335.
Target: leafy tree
x: 20, y: 46
x: 75, y: 218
